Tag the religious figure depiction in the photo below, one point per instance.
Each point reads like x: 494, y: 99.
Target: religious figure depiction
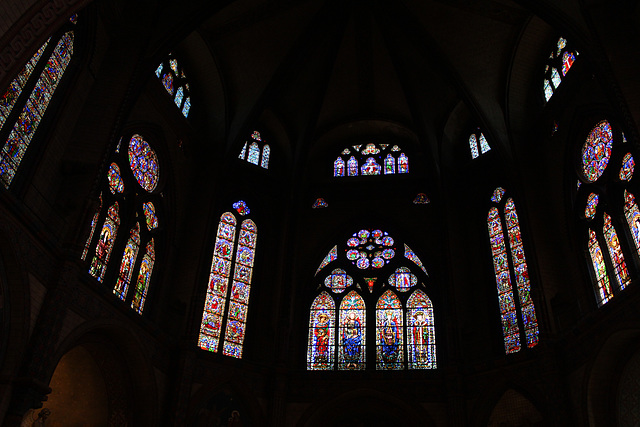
x: 420, y: 338
x: 321, y: 340
x: 389, y: 339
x: 351, y: 339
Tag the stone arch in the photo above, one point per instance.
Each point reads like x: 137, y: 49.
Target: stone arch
x: 112, y: 357
x: 365, y: 407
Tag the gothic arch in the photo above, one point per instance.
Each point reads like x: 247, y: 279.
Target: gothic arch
x: 504, y: 394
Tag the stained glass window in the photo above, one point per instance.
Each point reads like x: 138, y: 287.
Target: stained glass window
x: 632, y: 214
x: 105, y: 243
x: 265, y: 156
x: 510, y: 328
x: 320, y: 203
x: 35, y: 106
x: 497, y: 195
x: 239, y: 298
x: 604, y: 291
x: 243, y: 153
x: 254, y: 155
x: 473, y: 144
x: 116, y: 185
x: 370, y: 159
x: 592, y: 204
x: 561, y: 58
x: 628, y: 166
x: 216, y: 298
x: 352, y: 337
x: 144, y: 163
x: 370, y: 249
x: 484, y: 145
x: 421, y: 199
x: 527, y: 309
x: 421, y: 334
x: 174, y: 80
x: 322, y: 340
x: 596, y: 151
x: 150, y: 215
x: 220, y: 280
x: 241, y: 207
x: 331, y: 256
x: 410, y: 255
x: 144, y: 278
x: 338, y: 280
x: 403, y: 279
x: 389, y: 332
x: 615, y: 252
x: 128, y: 261
x: 478, y: 144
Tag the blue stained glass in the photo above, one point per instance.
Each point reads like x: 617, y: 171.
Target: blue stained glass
x: 179, y: 96
x: 254, y: 153
x: 266, y: 151
x: 473, y: 144
x: 186, y: 107
x: 389, y: 164
x: 338, y: 167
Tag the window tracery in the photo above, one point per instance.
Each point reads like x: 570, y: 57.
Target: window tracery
x: 558, y: 65
x: 172, y: 76
x: 478, y: 144
x: 256, y: 151
x: 371, y: 159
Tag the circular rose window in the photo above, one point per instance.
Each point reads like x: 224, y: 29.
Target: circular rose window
x: 144, y: 163
x: 596, y: 151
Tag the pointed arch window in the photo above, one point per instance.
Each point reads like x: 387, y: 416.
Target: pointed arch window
x: 131, y: 192
x: 558, y: 64
x: 608, y: 238
x: 26, y: 100
x: 371, y: 159
x: 478, y: 144
x: 379, y: 297
x: 517, y: 310
x: 226, y: 290
x: 172, y: 76
x: 258, y: 151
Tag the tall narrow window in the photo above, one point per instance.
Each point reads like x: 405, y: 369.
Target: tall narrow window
x: 561, y: 58
x: 322, y: 340
x: 421, y: 336
x: 226, y: 291
x: 615, y: 253
x: 258, y: 151
x: 171, y: 74
x: 389, y: 332
x: 20, y: 115
x: 135, y: 169
x: 352, y: 337
x: 505, y: 265
x: 478, y: 144
x: 632, y: 214
x: 605, y: 293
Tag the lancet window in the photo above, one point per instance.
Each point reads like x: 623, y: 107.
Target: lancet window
x: 478, y: 144
x: 370, y: 308
x: 256, y: 151
x: 558, y: 64
x: 171, y: 74
x: 121, y: 243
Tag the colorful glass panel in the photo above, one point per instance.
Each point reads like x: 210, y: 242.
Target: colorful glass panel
x: 256, y: 135
x: 241, y: 207
x: 510, y: 328
x: 403, y: 279
x: 351, y: 333
x: 403, y: 163
x: 389, y: 165
x: 243, y: 153
x: 167, y: 82
x: 331, y: 256
x: 389, y: 332
x: 562, y: 43
x: 320, y: 203
x: 421, y: 334
x: 116, y: 184
x: 615, y: 253
x: 128, y: 262
x: 421, y: 199
x: 159, y: 70
x: 144, y: 278
x: 186, y: 107
x: 179, y: 96
x: 254, y: 153
x: 322, y: 340
x: 527, y: 308
x: 628, y: 166
x: 94, y: 222
x: 370, y: 248
x: 214, y: 306
x: 567, y: 62
x: 104, y: 246
x: 596, y: 151
x: 555, y: 78
x: 473, y: 144
x: 338, y: 280
x: 338, y: 167
x: 239, y: 298
x: 25, y: 126
x: 266, y: 151
x: 370, y: 149
x: 604, y: 291
x: 370, y: 167
x: 144, y: 163
x: 484, y: 145
x: 352, y: 166
x: 497, y: 195
x: 150, y: 215
x: 632, y: 214
x: 548, y: 90
x: 410, y: 255
x: 592, y: 204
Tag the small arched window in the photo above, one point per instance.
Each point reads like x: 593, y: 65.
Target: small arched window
x: 130, y: 190
x: 371, y: 288
x: 517, y: 311
x: 172, y: 76
x: 226, y: 290
x: 256, y: 151
x: 558, y: 64
x: 478, y: 144
x: 26, y: 100
x: 371, y: 159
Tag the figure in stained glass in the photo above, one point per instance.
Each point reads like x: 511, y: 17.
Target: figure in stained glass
x: 143, y: 162
x: 389, y: 327
x: 321, y: 344
x: 628, y: 166
x: 596, y: 151
x: 352, y: 337
x: 632, y: 214
x: 352, y: 166
x: 605, y: 293
x: 389, y: 165
x: 421, y: 353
